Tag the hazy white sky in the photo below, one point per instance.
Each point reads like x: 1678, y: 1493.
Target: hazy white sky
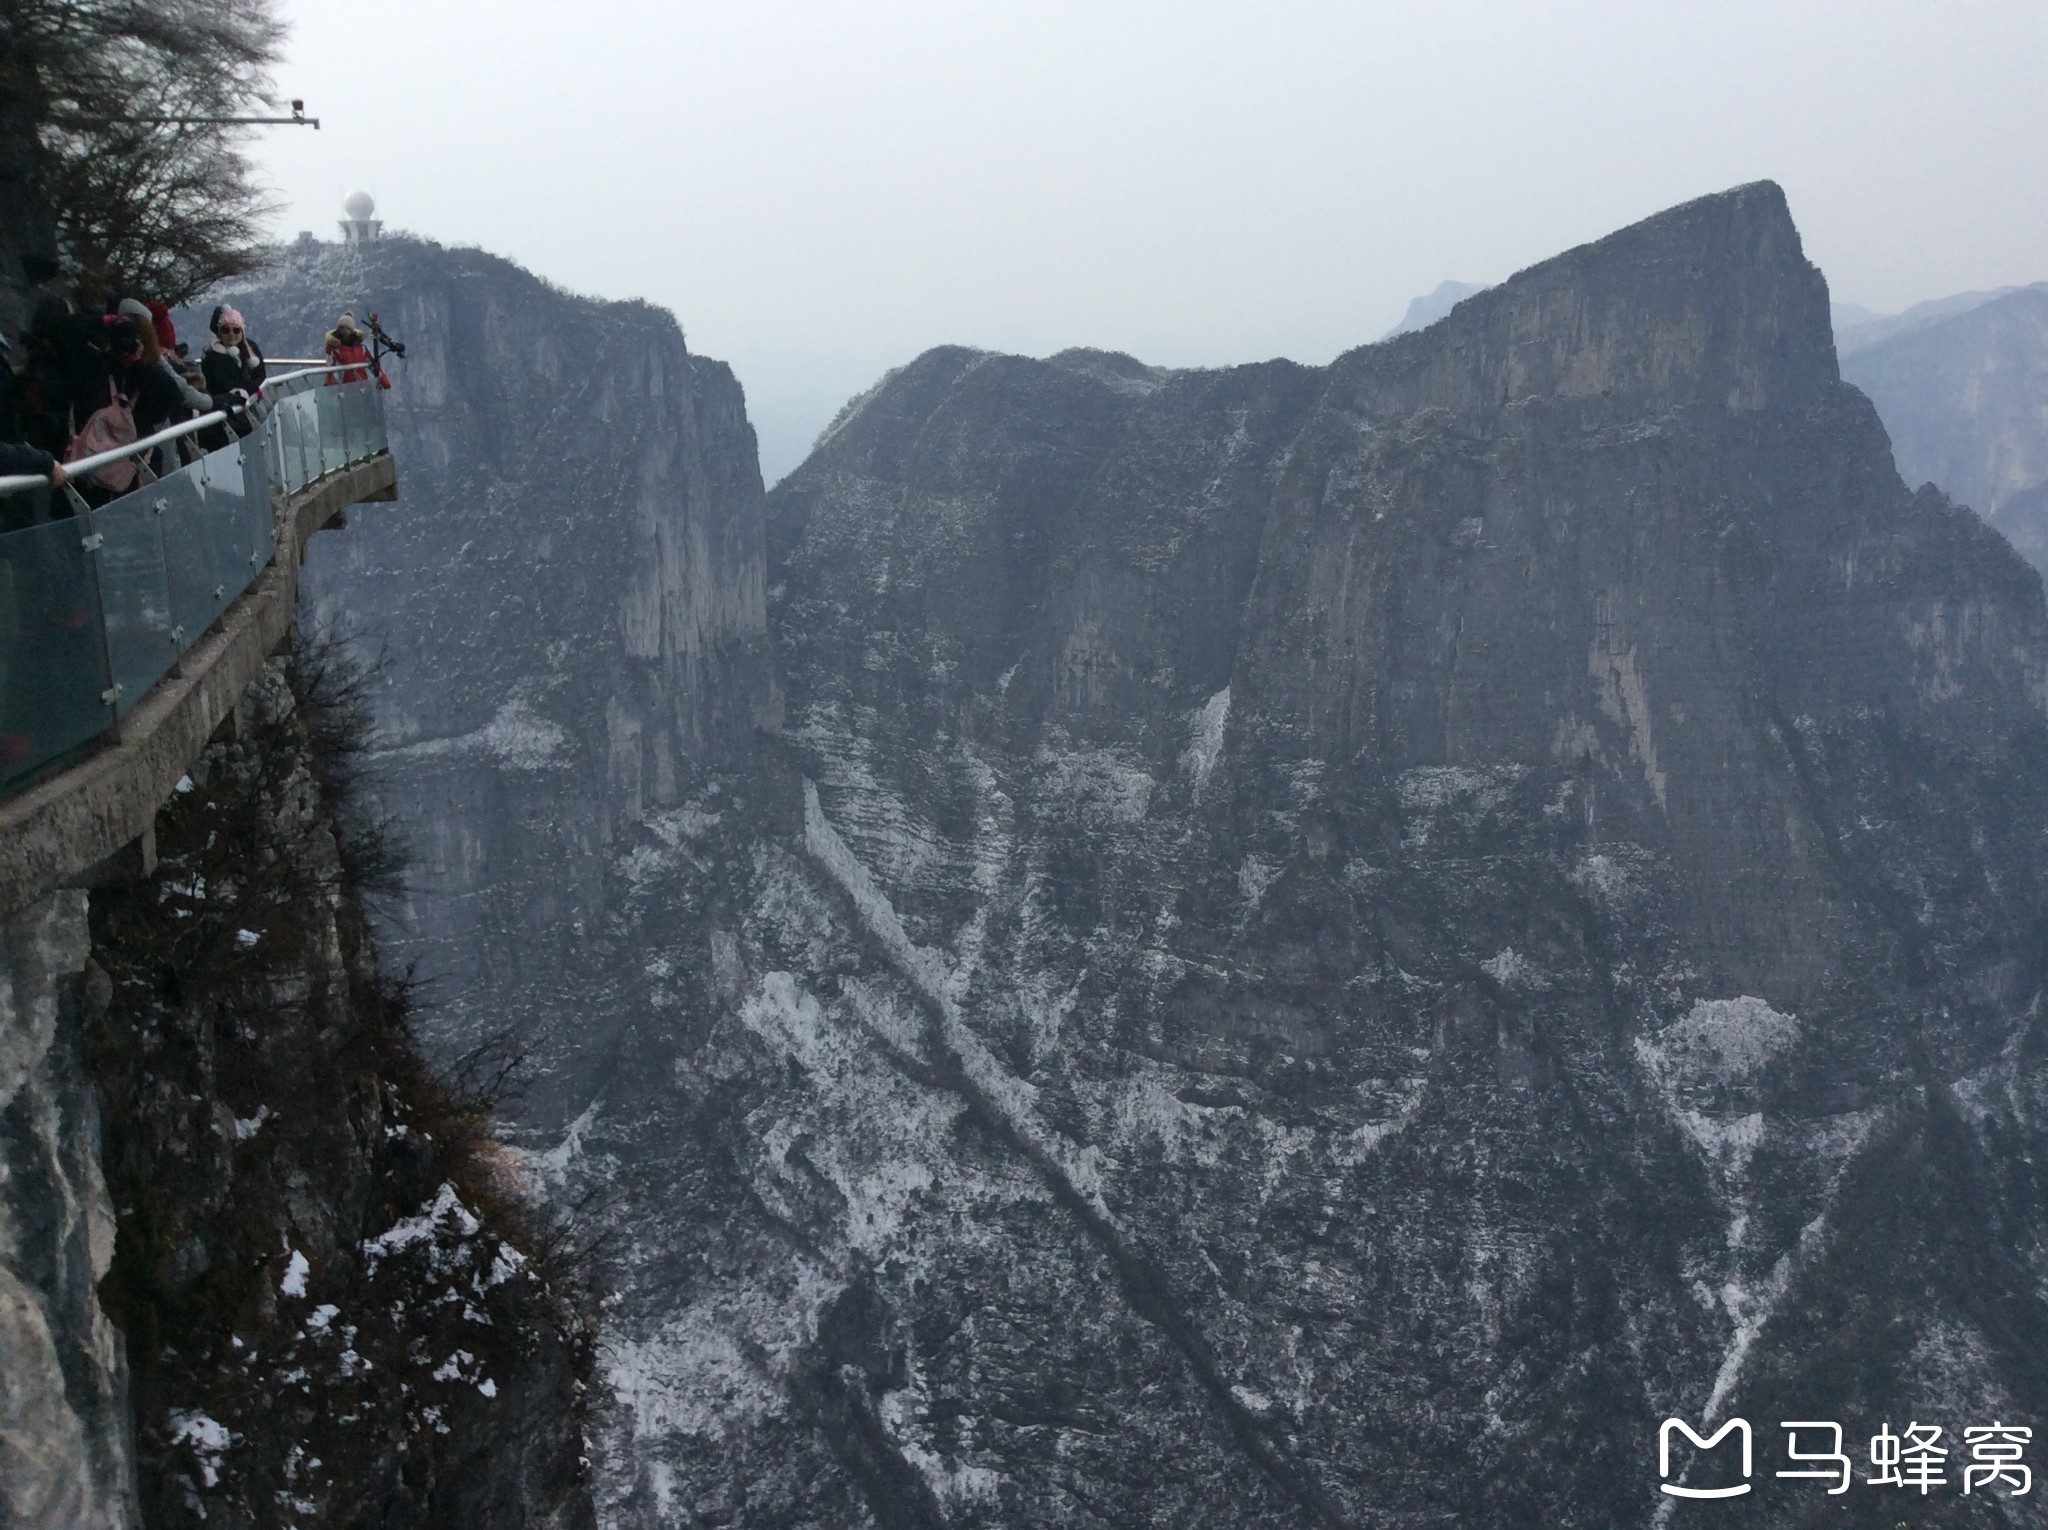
x: 1192, y: 181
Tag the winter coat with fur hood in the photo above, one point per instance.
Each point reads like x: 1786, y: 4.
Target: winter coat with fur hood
x: 349, y: 350
x: 229, y: 367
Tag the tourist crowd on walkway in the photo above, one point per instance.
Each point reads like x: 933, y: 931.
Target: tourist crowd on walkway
x: 82, y: 383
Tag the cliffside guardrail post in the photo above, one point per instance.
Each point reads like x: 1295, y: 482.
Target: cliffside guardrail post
x: 90, y: 541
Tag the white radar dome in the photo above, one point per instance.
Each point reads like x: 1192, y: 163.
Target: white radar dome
x: 358, y: 205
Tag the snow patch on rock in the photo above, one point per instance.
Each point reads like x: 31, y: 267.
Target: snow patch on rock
x: 1511, y: 969
x: 517, y: 737
x: 446, y: 1214
x: 1720, y: 1041
x: 1205, y: 739
x: 555, y: 1162
x: 1254, y: 875
x: 1107, y: 786
x: 206, y: 1438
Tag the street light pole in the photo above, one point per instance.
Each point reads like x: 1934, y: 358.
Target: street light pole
x: 298, y: 118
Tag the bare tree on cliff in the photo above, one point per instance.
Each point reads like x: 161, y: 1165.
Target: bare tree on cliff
x: 143, y: 206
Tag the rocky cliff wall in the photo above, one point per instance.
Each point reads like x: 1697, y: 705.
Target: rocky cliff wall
x: 2024, y: 521
x: 1352, y: 931
x: 66, y: 1438
x: 257, y: 1264
x: 322, y: 1284
x: 1318, y: 946
x: 568, y: 609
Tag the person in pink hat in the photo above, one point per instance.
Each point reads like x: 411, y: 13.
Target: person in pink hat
x: 233, y: 365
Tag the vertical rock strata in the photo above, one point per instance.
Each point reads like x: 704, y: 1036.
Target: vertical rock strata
x: 1317, y: 946
x: 1357, y: 938
x: 65, y: 1435
x: 568, y: 606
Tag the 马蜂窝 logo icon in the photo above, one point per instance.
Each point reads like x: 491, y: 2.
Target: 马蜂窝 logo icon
x: 1734, y: 1425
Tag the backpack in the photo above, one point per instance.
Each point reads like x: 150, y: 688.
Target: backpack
x: 109, y: 426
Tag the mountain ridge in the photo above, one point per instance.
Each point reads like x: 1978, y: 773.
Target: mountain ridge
x: 1447, y: 756
x: 1308, y: 936
x: 1962, y: 397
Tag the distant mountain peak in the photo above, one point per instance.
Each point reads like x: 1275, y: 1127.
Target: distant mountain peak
x: 1857, y: 328
x: 1433, y: 305
x: 1712, y: 302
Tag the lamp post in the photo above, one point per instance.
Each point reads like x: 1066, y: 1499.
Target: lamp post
x: 298, y: 118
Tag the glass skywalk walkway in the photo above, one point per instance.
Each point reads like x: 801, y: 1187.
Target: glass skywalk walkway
x: 98, y: 605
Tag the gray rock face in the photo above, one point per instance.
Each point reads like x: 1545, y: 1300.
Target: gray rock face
x: 1965, y: 398
x: 2024, y: 520
x: 328, y: 1316
x: 568, y: 601
x: 1319, y: 946
x: 1352, y: 931
x: 66, y: 1452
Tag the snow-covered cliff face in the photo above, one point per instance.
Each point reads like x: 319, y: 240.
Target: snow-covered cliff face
x: 1318, y: 946
x: 568, y: 603
x: 256, y: 1265
x: 1351, y: 939
x: 318, y: 1279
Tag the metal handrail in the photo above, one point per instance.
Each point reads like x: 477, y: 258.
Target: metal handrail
x: 14, y: 483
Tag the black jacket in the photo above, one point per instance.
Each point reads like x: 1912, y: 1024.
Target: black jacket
x: 155, y: 395
x: 227, y: 370
x: 19, y: 457
x: 64, y: 379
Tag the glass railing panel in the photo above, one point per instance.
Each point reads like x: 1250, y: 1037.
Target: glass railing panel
x: 323, y: 440
x: 273, y: 449
x: 53, y: 654
x: 209, y: 540
x: 135, y: 595
x: 237, y: 471
x: 332, y: 428
x: 338, y: 409
x: 186, y: 528
x: 285, y: 429
x: 301, y: 453
x: 309, y: 438
x: 256, y: 482
x: 369, y: 439
x: 370, y: 411
x: 348, y: 400
x: 355, y: 422
x: 273, y: 445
